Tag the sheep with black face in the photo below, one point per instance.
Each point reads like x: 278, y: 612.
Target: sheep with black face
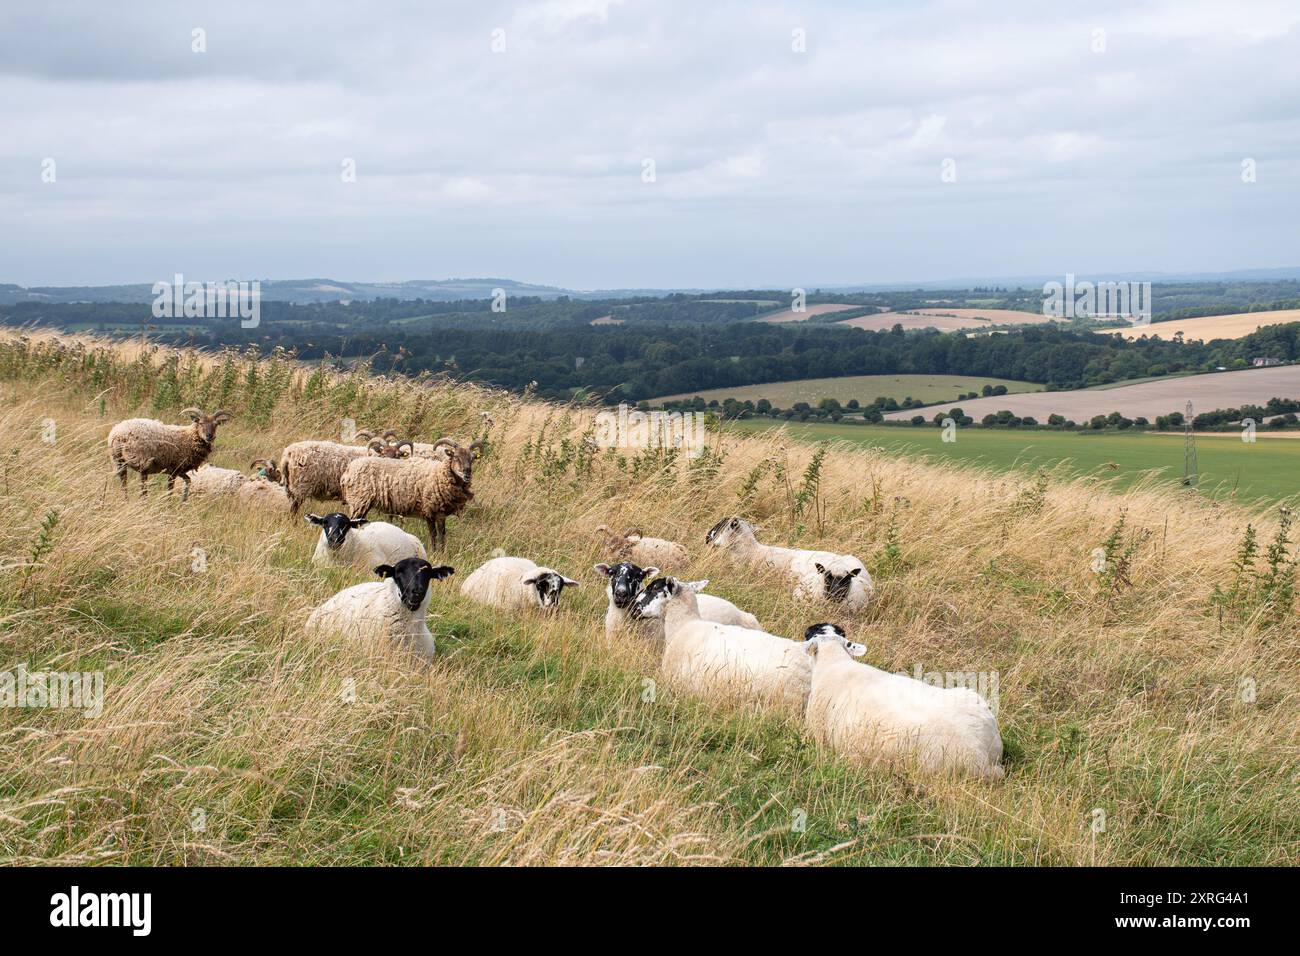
x: 357, y: 542
x: 815, y: 575
x: 516, y: 584
x: 394, y: 608
x: 625, y: 580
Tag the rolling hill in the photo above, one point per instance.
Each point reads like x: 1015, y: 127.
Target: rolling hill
x: 229, y: 736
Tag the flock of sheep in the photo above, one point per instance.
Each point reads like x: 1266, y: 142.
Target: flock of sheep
x: 710, y: 647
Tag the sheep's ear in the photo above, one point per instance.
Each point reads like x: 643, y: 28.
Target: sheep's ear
x: 314, y: 519
x: 444, y: 571
x: 530, y: 578
x: 697, y: 586
x: 810, y: 647
x: 855, y: 572
x: 384, y: 570
x: 855, y: 649
x: 569, y: 582
x: 602, y: 568
x: 650, y: 572
x: 819, y: 567
x: 358, y: 522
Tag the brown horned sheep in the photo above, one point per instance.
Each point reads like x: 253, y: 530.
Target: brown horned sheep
x: 151, y: 447
x: 633, y: 546
x: 313, y: 469
x: 428, y: 488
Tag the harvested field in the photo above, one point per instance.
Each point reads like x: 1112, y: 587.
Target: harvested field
x: 824, y: 308
x: 945, y: 320
x: 1149, y: 399
x: 1211, y: 327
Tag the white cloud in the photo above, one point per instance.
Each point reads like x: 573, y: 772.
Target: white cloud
x: 772, y: 167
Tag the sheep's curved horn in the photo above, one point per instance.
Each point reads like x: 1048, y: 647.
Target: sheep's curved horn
x: 389, y: 433
x: 192, y: 412
x: 221, y: 415
x: 410, y: 445
x: 363, y: 434
x: 377, y: 442
x: 476, y: 447
x: 633, y: 533
x: 445, y: 441
x: 260, y: 461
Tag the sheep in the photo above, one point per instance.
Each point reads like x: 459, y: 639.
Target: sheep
x: 151, y: 447
x: 723, y: 660
x: 314, y: 468
x: 516, y: 584
x: 624, y: 582
x: 394, y: 608
x: 358, y: 542
x: 259, y: 491
x: 428, y: 488
x: 840, y: 578
x: 633, y: 546
x: 873, y: 715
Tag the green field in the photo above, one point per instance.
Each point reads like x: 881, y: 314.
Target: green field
x: 865, y: 388
x: 1268, y: 469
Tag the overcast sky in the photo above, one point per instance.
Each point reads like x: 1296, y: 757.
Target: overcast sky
x: 773, y: 167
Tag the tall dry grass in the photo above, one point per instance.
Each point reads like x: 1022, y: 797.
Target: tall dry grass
x: 1144, y: 723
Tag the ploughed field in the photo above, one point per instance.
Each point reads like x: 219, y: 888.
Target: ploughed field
x: 228, y: 735
x: 1150, y: 398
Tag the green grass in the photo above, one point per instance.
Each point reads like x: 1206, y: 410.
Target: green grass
x: 865, y: 388
x: 1262, y: 471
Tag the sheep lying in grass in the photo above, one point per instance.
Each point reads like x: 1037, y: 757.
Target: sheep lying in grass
x: 624, y: 582
x: 259, y: 491
x: 633, y: 546
x: 840, y: 578
x: 875, y: 716
x: 722, y: 660
x: 314, y: 468
x: 428, y: 488
x: 357, y: 542
x: 516, y: 584
x: 394, y: 608
x: 151, y: 447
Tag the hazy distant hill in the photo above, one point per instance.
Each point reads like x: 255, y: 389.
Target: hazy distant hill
x: 317, y: 290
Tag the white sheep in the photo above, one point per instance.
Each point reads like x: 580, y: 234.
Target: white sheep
x: 357, y: 542
x: 516, y: 584
x: 875, y: 716
x: 723, y: 660
x: 840, y: 578
x: 152, y: 447
x: 394, y: 608
x: 624, y: 581
x: 633, y: 546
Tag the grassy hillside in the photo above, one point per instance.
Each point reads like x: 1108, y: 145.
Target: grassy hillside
x: 228, y: 736
x: 865, y: 388
x: 1229, y: 468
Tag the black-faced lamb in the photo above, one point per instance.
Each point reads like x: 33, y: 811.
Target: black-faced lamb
x: 840, y: 578
x: 428, y: 488
x: 394, y: 608
x: 152, y: 447
x: 624, y: 582
x: 516, y: 584
x: 723, y: 660
x: 357, y: 542
x: 878, y: 717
